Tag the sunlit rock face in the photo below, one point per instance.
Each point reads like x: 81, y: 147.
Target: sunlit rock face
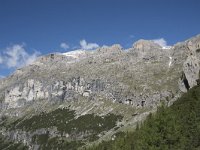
x: 146, y: 45
x: 59, y: 90
x: 149, y: 50
x: 140, y: 76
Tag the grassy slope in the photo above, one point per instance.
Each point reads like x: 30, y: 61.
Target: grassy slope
x: 176, y: 127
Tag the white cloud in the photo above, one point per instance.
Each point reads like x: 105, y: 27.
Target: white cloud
x: 64, y: 45
x: 162, y: 42
x: 88, y: 46
x: 16, y: 56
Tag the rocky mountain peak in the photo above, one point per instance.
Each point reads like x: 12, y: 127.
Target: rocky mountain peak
x: 146, y: 45
x: 148, y: 50
x: 116, y: 48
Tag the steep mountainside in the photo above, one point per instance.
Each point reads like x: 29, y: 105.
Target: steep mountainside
x: 175, y: 127
x: 83, y: 97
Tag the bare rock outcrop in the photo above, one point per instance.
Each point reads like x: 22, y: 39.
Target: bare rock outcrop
x: 145, y: 45
x: 114, y: 49
x: 191, y: 68
x: 148, y: 50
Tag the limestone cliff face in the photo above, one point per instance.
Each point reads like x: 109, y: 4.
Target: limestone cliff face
x: 146, y: 46
x: 21, y: 94
x: 147, y: 49
x: 142, y: 76
x: 34, y: 90
x: 191, y: 70
x: 191, y: 67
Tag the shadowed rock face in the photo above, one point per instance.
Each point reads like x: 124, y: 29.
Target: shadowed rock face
x: 191, y: 70
x: 191, y: 64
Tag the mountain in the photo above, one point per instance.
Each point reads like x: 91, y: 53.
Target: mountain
x: 174, y: 127
x: 76, y: 99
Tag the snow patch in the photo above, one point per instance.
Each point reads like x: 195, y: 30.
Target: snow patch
x: 170, y: 61
x: 75, y: 54
x: 166, y: 47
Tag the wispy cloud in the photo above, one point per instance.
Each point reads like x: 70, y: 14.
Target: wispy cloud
x: 131, y: 36
x: 64, y: 46
x: 16, y: 56
x: 88, y: 46
x: 1, y: 60
x: 162, y: 42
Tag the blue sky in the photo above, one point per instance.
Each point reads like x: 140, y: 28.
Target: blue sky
x: 29, y: 28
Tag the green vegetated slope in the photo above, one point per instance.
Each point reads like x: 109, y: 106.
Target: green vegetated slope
x: 62, y: 129
x: 64, y: 121
x: 176, y: 127
x: 6, y: 144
